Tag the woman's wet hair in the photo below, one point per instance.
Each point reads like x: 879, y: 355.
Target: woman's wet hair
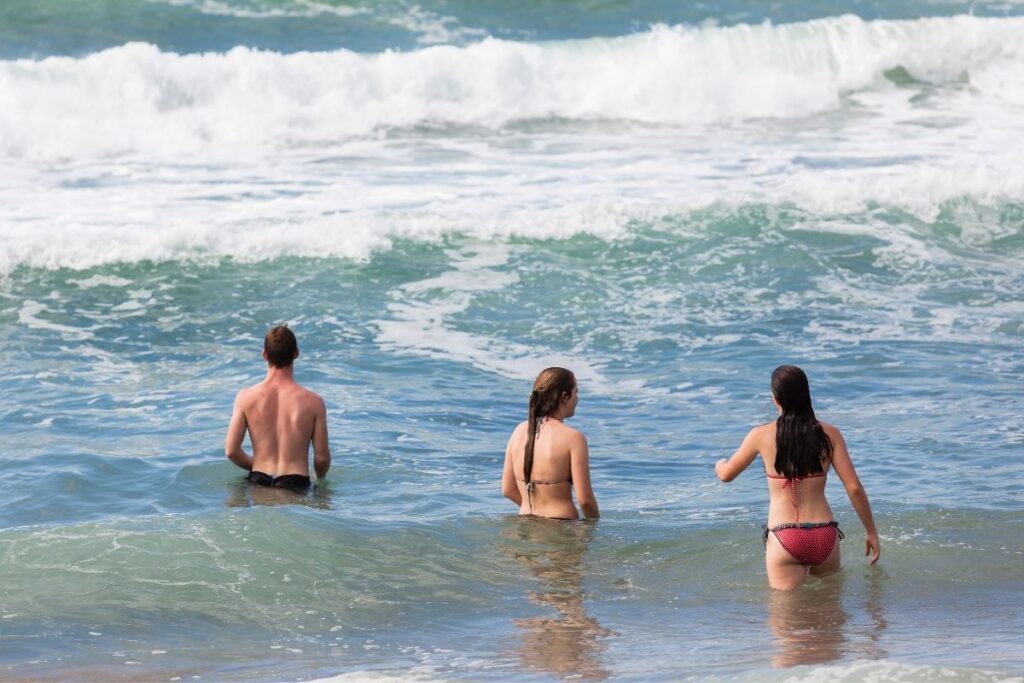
x: 549, y: 388
x: 281, y: 346
x: 801, y: 444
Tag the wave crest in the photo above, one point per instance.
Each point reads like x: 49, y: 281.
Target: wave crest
x: 137, y: 99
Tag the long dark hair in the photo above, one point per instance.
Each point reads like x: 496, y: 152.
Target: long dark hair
x: 548, y: 389
x: 801, y: 444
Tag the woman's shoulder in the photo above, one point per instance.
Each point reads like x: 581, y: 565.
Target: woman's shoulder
x: 569, y: 435
x: 762, y: 432
x: 830, y: 429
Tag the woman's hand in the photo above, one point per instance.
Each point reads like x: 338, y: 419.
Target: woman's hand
x: 872, y: 547
x: 721, y: 461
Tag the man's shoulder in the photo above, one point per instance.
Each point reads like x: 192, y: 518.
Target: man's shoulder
x: 247, y: 393
x: 310, y: 396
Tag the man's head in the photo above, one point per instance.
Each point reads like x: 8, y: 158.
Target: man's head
x: 280, y: 347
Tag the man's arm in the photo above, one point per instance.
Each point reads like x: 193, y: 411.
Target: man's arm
x: 321, y: 447
x: 236, y: 433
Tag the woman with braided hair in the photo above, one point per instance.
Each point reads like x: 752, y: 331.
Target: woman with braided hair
x: 545, y: 459
x: 797, y: 450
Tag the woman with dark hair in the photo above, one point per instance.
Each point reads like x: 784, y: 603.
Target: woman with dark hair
x: 797, y: 451
x: 545, y: 459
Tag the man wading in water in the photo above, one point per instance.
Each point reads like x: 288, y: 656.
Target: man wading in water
x: 282, y: 419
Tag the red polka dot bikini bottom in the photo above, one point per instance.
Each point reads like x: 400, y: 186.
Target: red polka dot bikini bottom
x: 810, y: 543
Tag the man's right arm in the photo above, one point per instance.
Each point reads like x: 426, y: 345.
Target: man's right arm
x: 321, y: 447
x: 236, y: 433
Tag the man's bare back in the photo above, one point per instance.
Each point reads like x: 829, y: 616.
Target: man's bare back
x: 282, y: 419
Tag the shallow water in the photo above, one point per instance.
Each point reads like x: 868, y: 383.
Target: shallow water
x: 670, y: 211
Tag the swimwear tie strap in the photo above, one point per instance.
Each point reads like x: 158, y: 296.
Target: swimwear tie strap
x: 794, y: 496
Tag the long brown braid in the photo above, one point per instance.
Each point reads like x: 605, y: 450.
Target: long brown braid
x: 548, y: 389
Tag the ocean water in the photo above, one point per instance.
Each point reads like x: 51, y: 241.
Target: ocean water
x: 442, y: 198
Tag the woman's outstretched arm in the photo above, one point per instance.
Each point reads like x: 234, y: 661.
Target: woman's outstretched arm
x: 727, y: 470
x: 843, y: 466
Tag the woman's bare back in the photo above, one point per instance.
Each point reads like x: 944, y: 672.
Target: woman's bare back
x: 797, y: 500
x: 551, y: 492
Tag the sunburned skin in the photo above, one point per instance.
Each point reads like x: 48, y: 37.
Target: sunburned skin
x: 282, y: 419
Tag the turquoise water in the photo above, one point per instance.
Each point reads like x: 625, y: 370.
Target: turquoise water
x: 671, y: 201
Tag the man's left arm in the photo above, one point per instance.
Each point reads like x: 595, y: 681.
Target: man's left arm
x: 321, y: 447
x: 236, y: 433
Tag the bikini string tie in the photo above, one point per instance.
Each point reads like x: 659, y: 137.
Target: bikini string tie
x: 793, y: 495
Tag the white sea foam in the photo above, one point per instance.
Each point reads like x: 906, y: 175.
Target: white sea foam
x: 205, y: 233
x: 30, y: 316
x: 137, y: 99
x: 433, y: 29
x: 265, y: 9
x: 421, y: 324
x: 183, y: 157
x: 379, y: 677
x: 884, y: 671
x: 341, y: 235
x: 101, y: 280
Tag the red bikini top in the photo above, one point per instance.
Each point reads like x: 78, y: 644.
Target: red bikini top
x: 790, y: 480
